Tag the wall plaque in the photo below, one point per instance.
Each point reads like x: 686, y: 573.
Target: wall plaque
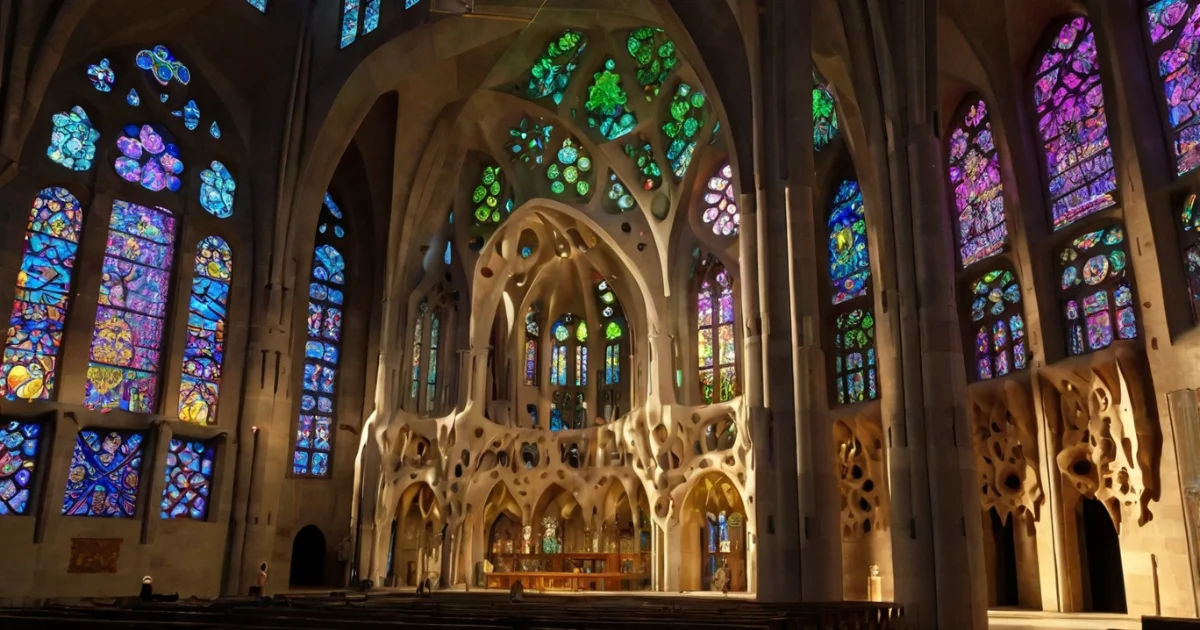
x: 94, y: 555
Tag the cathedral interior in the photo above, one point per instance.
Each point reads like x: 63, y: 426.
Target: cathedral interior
x: 785, y: 300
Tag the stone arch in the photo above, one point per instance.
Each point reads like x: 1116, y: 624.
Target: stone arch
x: 713, y: 519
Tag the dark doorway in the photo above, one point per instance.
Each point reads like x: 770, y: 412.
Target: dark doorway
x: 308, y: 558
x: 1004, y: 573
x: 391, y: 566
x: 1101, y: 559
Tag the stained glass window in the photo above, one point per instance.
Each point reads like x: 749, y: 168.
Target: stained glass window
x: 349, y: 22
x: 1175, y: 39
x: 204, y: 351
x: 721, y: 211
x: 101, y: 76
x: 1097, y: 290
x: 825, y: 122
x: 1190, y: 220
x: 551, y: 73
x: 187, y: 480
x: 216, y: 190
x: 571, y: 168
x: 532, y: 334
x: 322, y: 350
x: 190, y: 113
x: 849, y: 260
x: 432, y: 371
x: 996, y: 318
x: 606, y: 104
x: 371, y: 16
x: 418, y: 337
x: 581, y: 354
x: 1069, y: 99
x: 261, y: 5
x: 18, y: 451
x: 135, y: 284
x: 654, y: 54
x: 528, y: 141
x: 642, y: 154
x: 73, y: 140
x: 148, y: 159
x: 978, y: 191
x: 618, y: 194
x: 854, y: 358
x: 683, y: 130
x: 41, y: 296
x: 716, y: 348
x: 612, y: 320
x: 105, y: 474
x: 488, y: 197
x: 163, y: 66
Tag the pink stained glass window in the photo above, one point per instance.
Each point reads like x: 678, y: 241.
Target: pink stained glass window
x: 978, y: 191
x: 999, y: 325
x: 1069, y: 98
x: 1174, y: 29
x: 134, y: 290
x: 1097, y: 290
x: 720, y: 207
x: 148, y: 158
x: 716, y: 344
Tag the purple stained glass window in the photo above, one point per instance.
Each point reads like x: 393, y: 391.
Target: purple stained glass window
x: 187, y: 480
x: 204, y: 349
x: 716, y: 333
x: 148, y: 159
x: 978, y: 190
x: 1174, y: 28
x: 41, y: 296
x: 721, y: 211
x: 105, y: 474
x: 1069, y: 99
x: 134, y: 290
x: 318, y: 401
x: 996, y: 316
x: 1097, y: 291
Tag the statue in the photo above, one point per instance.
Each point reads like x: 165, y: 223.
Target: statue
x: 720, y: 578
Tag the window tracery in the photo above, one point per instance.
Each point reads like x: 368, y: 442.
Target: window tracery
x: 996, y: 311
x: 855, y: 367
x: 105, y: 474
x: 532, y: 337
x: 1096, y: 290
x: 1174, y: 30
x: 825, y: 122
x: 204, y: 351
x: 721, y: 210
x: 715, y: 332
x: 19, y: 443
x: 978, y: 190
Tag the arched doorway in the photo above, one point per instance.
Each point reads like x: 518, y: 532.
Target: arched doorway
x: 713, y: 537
x: 416, y: 551
x: 1003, y: 578
x: 308, y: 558
x: 1100, y: 559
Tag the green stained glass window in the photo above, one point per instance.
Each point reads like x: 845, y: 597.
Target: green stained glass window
x: 683, y: 129
x: 618, y: 194
x: 825, y: 122
x: 606, y: 104
x: 528, y: 141
x: 654, y: 54
x: 642, y: 154
x: 551, y: 73
x: 488, y: 197
x: 572, y: 169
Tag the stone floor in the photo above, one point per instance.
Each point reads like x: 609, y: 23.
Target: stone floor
x: 1032, y: 620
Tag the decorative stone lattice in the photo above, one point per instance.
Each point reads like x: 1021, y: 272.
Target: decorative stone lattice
x: 858, y: 443
x: 1105, y: 434
x: 1003, y: 429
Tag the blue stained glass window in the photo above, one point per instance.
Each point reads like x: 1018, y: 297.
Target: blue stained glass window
x: 418, y: 333
x: 261, y: 5
x: 216, y: 190
x: 187, y: 480
x: 314, y: 429
x: 204, y: 351
x: 134, y: 289
x: 349, y: 22
x: 448, y: 256
x: 408, y: 4
x: 432, y: 370
x: 41, y: 297
x: 105, y: 474
x: 849, y: 261
x: 101, y: 76
x: 18, y: 454
x: 73, y: 140
x: 371, y: 16
x: 147, y: 158
x: 163, y: 66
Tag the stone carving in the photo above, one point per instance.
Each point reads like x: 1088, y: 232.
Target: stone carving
x: 1106, y: 436
x: 860, y: 468
x: 1004, y: 433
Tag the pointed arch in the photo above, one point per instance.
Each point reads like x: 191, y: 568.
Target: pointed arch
x: 716, y: 332
x: 855, y: 368
x: 974, y: 169
x: 1173, y: 28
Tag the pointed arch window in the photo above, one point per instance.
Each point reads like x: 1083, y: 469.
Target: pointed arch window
x: 532, y: 336
x: 351, y: 26
x: 715, y: 332
x: 322, y: 350
x: 1174, y: 31
x: 134, y: 291
x: 855, y: 368
x: 204, y: 350
x: 418, y: 337
x: 824, y: 109
x: 568, y: 372
x: 42, y: 295
x: 1189, y: 219
x: 999, y: 326
x: 1096, y: 290
x: 721, y: 210
x: 613, y: 325
x: 1068, y: 96
x: 978, y: 191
